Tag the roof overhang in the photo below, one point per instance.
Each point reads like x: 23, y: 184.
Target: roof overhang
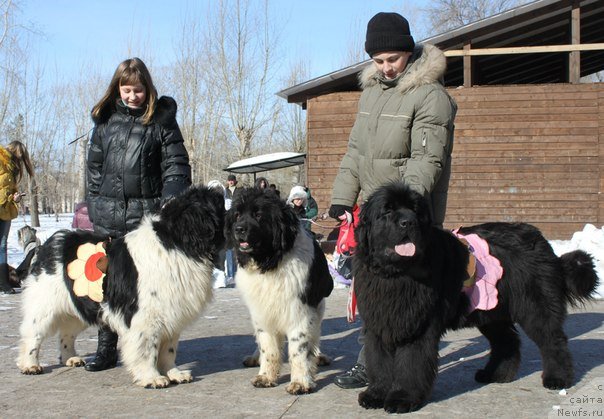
x: 266, y: 162
x: 542, y: 22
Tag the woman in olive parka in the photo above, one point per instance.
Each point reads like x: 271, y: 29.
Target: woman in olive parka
x: 403, y: 132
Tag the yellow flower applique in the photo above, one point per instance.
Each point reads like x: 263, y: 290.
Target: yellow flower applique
x: 88, y: 271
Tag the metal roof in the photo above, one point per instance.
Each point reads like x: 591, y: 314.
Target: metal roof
x: 540, y: 23
x: 265, y: 162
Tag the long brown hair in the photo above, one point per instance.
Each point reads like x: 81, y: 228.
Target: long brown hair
x: 128, y: 72
x: 20, y: 158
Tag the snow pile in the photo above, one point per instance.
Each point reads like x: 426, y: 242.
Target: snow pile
x: 590, y: 240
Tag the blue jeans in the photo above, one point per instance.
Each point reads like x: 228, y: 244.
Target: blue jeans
x: 231, y: 263
x: 4, y: 230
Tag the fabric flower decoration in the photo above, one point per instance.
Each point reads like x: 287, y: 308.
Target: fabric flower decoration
x: 482, y: 289
x: 86, y: 272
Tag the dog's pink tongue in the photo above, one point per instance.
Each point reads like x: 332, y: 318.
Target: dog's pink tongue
x: 407, y: 249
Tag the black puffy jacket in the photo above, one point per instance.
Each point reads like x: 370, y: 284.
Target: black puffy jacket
x: 133, y: 168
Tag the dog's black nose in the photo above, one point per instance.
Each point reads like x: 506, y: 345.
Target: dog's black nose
x: 403, y: 223
x: 240, y: 229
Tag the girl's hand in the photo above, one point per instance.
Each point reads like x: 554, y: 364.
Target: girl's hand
x: 17, y: 197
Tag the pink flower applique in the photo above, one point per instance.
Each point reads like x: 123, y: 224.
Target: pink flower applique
x: 488, y: 271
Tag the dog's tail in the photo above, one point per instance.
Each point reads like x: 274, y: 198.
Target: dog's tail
x: 580, y: 276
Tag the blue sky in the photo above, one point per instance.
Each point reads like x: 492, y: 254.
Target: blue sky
x: 104, y: 32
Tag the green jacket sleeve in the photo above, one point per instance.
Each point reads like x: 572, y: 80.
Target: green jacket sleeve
x: 430, y: 141
x: 346, y: 186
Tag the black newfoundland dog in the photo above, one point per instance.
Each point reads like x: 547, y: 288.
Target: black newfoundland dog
x: 409, y: 278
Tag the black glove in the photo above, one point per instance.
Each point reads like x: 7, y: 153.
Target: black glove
x: 335, y: 211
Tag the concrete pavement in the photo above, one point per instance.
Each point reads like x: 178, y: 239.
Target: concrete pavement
x: 214, y: 346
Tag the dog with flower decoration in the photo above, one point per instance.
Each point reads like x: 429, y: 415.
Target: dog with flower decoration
x: 147, y: 286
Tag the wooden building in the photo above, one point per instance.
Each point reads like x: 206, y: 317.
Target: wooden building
x: 529, y: 136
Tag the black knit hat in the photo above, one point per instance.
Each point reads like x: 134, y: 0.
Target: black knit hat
x: 388, y: 32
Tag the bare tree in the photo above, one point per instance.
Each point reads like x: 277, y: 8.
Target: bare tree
x: 355, y: 48
x: 293, y: 120
x: 444, y: 15
x: 10, y: 56
x: 193, y: 82
x: 79, y: 96
x: 6, y: 7
x: 242, y: 45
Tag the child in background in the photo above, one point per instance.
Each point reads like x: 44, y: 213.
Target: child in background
x: 298, y: 199
x: 80, y: 217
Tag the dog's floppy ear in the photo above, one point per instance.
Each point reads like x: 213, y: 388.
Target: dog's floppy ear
x: 361, y: 232
x: 422, y: 208
x: 285, y: 229
x: 194, y: 219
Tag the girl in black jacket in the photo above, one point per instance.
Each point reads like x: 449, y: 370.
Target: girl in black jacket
x: 136, y: 161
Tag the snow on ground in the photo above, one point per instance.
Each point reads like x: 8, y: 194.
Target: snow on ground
x: 590, y: 239
x: 48, y: 225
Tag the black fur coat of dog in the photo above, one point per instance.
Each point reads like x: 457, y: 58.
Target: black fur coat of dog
x: 408, y: 281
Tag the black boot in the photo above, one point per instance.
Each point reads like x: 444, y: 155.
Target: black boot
x: 106, y: 351
x: 354, y: 378
x: 5, y: 286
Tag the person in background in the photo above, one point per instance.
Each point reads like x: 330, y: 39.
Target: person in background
x: 312, y: 209
x: 232, y: 190
x: 14, y: 161
x: 219, y: 274
x: 403, y: 131
x: 137, y: 161
x: 273, y: 187
x: 81, y: 219
x: 298, y: 200
x: 261, y: 183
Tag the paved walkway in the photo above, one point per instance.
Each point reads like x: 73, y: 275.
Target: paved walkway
x: 215, y: 344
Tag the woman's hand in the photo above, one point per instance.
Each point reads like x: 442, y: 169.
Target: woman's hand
x: 17, y: 196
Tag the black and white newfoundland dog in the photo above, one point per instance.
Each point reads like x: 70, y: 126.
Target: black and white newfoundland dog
x: 409, y: 281
x: 158, y: 279
x: 284, y: 279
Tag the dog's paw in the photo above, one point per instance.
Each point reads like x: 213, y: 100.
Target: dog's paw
x: 157, y: 382
x: 482, y: 376
x: 75, y: 361
x: 485, y: 376
x: 400, y: 406
x: 263, y: 381
x: 556, y: 383
x: 296, y: 388
x: 251, y: 361
x: 32, y: 370
x: 401, y: 402
x: 323, y: 360
x: 369, y: 400
x: 177, y: 376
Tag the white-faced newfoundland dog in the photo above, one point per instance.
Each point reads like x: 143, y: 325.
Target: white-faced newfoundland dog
x: 158, y: 279
x: 409, y: 282
x: 284, y: 279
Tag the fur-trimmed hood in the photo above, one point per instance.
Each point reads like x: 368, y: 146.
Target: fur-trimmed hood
x: 426, y: 65
x: 165, y: 112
